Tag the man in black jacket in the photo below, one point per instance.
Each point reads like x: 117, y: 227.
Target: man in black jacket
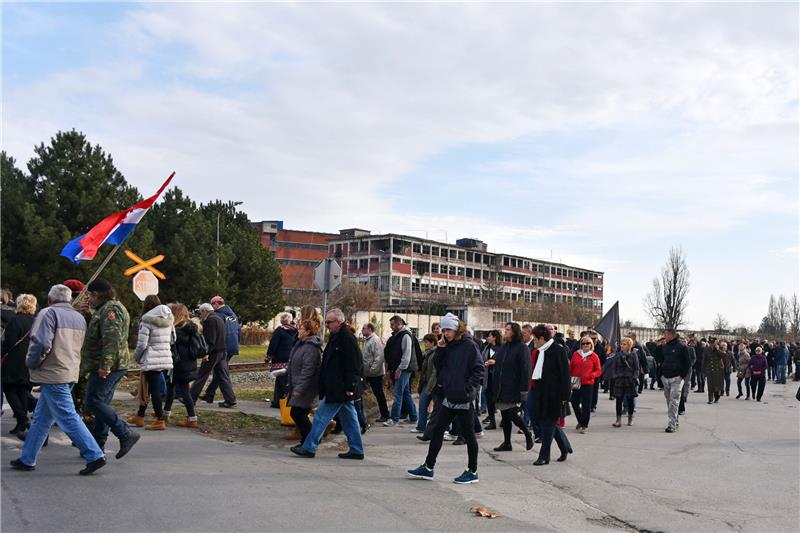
x: 340, y: 374
x: 216, y: 361
x: 674, y: 369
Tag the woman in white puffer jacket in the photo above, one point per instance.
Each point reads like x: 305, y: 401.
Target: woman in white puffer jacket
x: 154, y: 354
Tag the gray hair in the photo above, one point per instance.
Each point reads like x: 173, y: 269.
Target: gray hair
x: 337, y: 314
x: 59, y: 293
x: 207, y: 307
x: 528, y: 328
x: 285, y: 318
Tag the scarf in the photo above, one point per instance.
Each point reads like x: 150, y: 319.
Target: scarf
x: 537, y: 371
x: 585, y: 354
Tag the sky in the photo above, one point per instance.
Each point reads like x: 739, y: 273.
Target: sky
x: 599, y: 135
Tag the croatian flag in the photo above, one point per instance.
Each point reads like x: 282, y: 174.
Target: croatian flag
x: 113, y: 229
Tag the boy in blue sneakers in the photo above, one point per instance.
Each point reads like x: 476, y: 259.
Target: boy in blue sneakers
x: 459, y: 371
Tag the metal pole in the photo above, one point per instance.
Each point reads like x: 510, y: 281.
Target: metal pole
x: 78, y: 299
x: 325, y: 290
x: 218, y: 214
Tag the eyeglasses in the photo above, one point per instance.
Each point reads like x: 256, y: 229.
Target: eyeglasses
x: 331, y: 321
x: 586, y: 344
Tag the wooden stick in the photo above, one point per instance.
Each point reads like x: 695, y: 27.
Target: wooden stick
x: 77, y: 301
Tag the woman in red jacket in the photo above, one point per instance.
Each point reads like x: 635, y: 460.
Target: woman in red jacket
x: 584, y: 366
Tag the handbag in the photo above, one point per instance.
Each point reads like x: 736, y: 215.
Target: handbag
x: 565, y: 410
x: 575, y: 381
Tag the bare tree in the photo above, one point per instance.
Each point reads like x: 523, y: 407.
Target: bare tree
x: 720, y: 324
x: 491, y: 288
x: 351, y: 297
x: 666, y: 302
x: 782, y: 314
x: 794, y: 315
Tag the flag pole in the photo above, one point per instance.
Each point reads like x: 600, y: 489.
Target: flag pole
x: 77, y: 301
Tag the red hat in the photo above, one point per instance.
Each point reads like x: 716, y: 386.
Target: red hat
x: 74, y: 285
x: 217, y: 300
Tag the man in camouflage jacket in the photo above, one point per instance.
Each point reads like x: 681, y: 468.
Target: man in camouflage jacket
x: 105, y: 357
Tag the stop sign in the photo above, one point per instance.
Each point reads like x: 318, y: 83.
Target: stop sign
x: 145, y: 284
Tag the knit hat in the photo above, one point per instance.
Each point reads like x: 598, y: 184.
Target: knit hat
x: 100, y: 285
x: 450, y: 321
x: 217, y: 300
x: 74, y: 285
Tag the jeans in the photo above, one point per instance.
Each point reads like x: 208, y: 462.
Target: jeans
x: 424, y: 402
x: 402, y: 393
x: 746, y: 384
x: 581, y: 404
x: 443, y: 419
x: 153, y: 378
x: 672, y: 392
x: 55, y: 406
x: 301, y: 421
x: 347, y: 416
x: 687, y: 385
x: 99, y: 393
x: 727, y: 383
x: 530, y: 402
x: 217, y: 365
x: 757, y: 384
x: 376, y: 384
x: 551, y: 429
x: 181, y: 389
x: 771, y: 371
x: 780, y: 374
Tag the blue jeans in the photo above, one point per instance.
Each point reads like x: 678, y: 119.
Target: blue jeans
x: 780, y: 374
x: 424, y: 402
x: 99, y: 393
x: 402, y: 393
x: 347, y: 416
x: 527, y: 407
x: 55, y: 406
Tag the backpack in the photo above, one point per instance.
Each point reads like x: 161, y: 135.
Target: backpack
x: 198, y: 347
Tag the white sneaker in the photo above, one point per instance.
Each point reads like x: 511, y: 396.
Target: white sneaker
x: 449, y: 436
x: 390, y: 423
x: 479, y: 435
x: 415, y: 430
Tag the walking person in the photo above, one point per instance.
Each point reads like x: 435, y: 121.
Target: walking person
x: 758, y: 370
x: 686, y: 389
x: 625, y: 371
x: 339, y: 377
x: 493, y: 343
x: 781, y: 362
x: 584, y: 370
x: 714, y: 364
x: 512, y: 368
x: 15, y: 376
x: 427, y: 379
x: 153, y: 353
x: 216, y: 362
x: 280, y: 346
x: 459, y: 370
x: 53, y: 360
x: 232, y: 333
x: 743, y: 371
x: 675, y: 366
x: 106, y: 358
x: 551, y: 388
x: 374, y: 368
x: 302, y: 375
x: 401, y: 361
x: 190, y: 345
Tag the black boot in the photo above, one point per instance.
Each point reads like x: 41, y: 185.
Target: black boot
x: 492, y: 423
x: 22, y: 425
x: 682, y: 407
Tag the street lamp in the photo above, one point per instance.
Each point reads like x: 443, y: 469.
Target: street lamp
x: 231, y: 205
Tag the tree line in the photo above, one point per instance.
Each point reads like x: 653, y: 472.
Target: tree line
x: 70, y: 185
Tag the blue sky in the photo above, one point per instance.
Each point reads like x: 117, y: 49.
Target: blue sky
x: 601, y: 133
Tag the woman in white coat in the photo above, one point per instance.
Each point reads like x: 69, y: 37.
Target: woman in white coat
x: 154, y: 355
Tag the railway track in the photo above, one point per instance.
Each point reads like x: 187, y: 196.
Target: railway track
x: 235, y: 368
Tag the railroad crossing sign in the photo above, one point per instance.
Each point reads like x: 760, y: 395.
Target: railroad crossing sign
x: 145, y: 284
x: 141, y: 264
x: 328, y: 275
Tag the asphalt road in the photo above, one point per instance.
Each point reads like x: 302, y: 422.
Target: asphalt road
x: 734, y: 466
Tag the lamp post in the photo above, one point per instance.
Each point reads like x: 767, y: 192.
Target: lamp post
x: 232, y: 205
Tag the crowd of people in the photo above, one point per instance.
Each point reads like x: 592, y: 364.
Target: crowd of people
x: 535, y: 377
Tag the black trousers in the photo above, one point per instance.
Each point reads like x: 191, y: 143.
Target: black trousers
x: 181, y: 389
x: 581, y: 403
x: 376, y: 384
x: 508, y: 417
x: 300, y: 417
x: 595, y: 393
x: 218, y: 366
x: 746, y: 384
x: 436, y: 399
x: 629, y: 400
x: 550, y: 429
x: 757, y: 384
x: 465, y: 419
x: 17, y: 396
x: 701, y: 379
x: 211, y: 390
x: 153, y: 378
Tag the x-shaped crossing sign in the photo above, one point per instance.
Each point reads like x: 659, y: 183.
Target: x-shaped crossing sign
x: 141, y: 264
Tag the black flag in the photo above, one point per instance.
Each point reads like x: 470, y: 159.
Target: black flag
x: 608, y: 326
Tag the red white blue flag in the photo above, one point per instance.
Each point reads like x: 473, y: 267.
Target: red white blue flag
x: 113, y: 229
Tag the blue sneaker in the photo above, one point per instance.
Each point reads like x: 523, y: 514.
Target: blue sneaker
x: 466, y: 478
x: 421, y: 472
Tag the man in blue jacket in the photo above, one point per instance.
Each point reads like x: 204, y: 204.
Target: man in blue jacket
x: 233, y: 332
x: 781, y: 361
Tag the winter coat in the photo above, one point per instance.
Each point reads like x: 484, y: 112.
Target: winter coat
x: 214, y: 333
x: 626, y: 372
x: 553, y: 389
x: 280, y: 345
x: 714, y: 363
x: 399, y: 351
x: 511, y: 373
x: 233, y: 330
x: 303, y: 372
x: 56, y: 339
x: 106, y: 342
x: 459, y: 370
x: 781, y: 355
x: 156, y: 337
x: 588, y: 369
x: 744, y: 364
x: 674, y: 357
x: 16, y: 338
x: 758, y: 365
x: 373, y: 357
x: 427, y: 376
x: 184, y: 363
x: 341, y: 362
